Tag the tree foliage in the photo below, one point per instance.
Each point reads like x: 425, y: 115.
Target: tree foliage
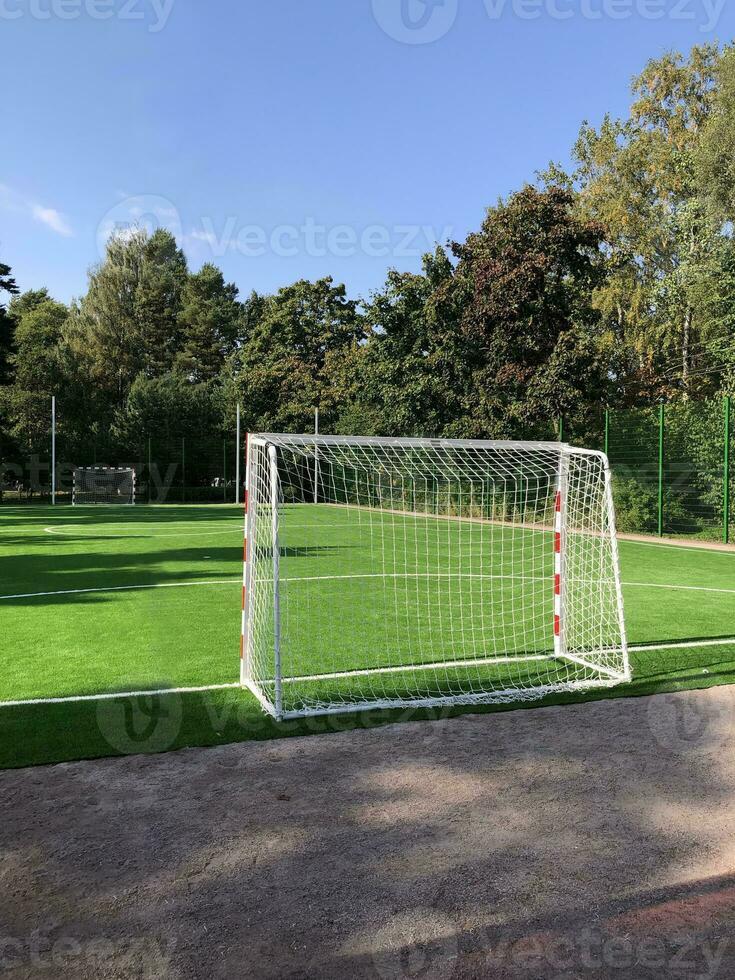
x: 611, y: 282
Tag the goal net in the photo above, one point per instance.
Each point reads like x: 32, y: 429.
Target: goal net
x: 103, y: 485
x: 387, y: 572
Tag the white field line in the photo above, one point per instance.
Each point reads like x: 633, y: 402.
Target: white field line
x: 681, y: 588
x: 61, y: 529
x: 298, y: 578
x: 162, y: 692
x: 72, y: 699
x: 628, y: 539
x: 683, y: 644
x: 122, y: 588
x: 355, y: 575
x: 407, y: 668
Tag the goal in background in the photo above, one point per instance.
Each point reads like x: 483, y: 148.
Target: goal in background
x: 103, y: 485
x: 387, y: 572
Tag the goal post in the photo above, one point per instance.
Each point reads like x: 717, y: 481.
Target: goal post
x: 112, y: 485
x: 426, y: 572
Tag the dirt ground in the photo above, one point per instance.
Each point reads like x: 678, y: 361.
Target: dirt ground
x: 595, y: 840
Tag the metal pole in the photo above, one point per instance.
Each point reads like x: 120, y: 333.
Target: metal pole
x: 275, y: 545
x: 726, y: 493
x: 237, y: 456
x: 150, y: 470
x: 561, y: 428
x: 661, y: 419
x: 607, y: 432
x: 53, y: 450
x: 316, y: 457
x: 183, y: 469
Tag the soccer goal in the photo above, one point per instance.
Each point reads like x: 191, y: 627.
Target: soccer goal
x: 103, y: 485
x: 420, y: 572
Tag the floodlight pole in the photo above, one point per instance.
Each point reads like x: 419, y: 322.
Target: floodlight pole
x: 726, y: 488
x: 53, y: 450
x: 237, y: 455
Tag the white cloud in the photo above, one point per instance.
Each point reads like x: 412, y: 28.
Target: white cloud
x: 11, y: 200
x: 52, y: 219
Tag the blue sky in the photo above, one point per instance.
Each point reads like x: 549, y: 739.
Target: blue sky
x: 298, y: 138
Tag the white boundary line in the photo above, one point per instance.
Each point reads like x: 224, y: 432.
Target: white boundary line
x: 683, y: 644
x: 685, y: 588
x: 121, y: 588
x: 408, y: 668
x: 350, y: 575
x: 94, y: 530
x: 73, y: 699
x: 162, y: 692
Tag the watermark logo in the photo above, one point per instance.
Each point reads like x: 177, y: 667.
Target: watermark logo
x: 421, y: 943
x: 415, y: 21
x: 144, y: 723
x: 694, y: 722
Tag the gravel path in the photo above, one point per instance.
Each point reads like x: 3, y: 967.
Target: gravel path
x: 594, y: 840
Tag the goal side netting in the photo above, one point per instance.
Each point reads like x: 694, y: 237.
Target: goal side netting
x: 420, y: 572
x: 103, y: 485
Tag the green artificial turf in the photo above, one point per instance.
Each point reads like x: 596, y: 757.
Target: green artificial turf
x: 166, y: 613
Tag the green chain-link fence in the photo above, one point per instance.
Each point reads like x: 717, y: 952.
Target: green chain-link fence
x: 189, y: 468
x: 672, y: 472
x: 671, y: 465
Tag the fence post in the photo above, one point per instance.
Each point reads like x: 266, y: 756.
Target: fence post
x: 561, y: 428
x: 183, y: 469
x: 316, y: 457
x: 53, y: 450
x: 726, y: 489
x: 661, y: 424
x: 237, y: 455
x: 607, y: 432
x: 224, y: 471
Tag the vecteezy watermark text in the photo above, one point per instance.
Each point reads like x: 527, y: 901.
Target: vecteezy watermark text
x: 308, y: 236
x: 319, y: 240
x: 153, y: 13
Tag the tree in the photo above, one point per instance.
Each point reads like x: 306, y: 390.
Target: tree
x: 209, y: 322
x: 716, y: 153
x: 165, y: 408
x: 411, y: 375
x: 25, y: 302
x: 127, y: 322
x: 286, y: 367
x: 637, y: 177
x: 158, y: 301
x: 524, y: 284
x: 103, y: 331
x: 9, y: 286
x: 37, y: 372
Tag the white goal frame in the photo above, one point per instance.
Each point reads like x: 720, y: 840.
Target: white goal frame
x: 575, y: 540
x: 81, y: 495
